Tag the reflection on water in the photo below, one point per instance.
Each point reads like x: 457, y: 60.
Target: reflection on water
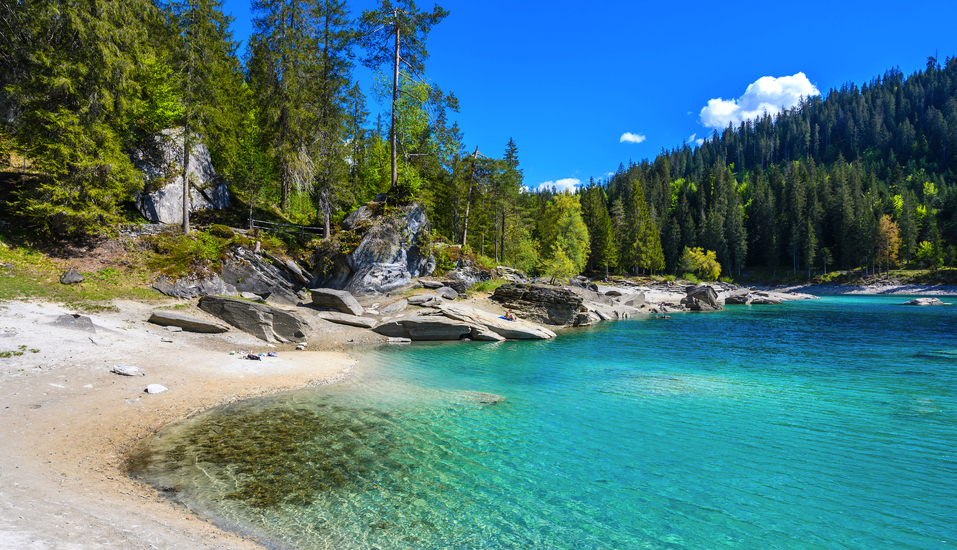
x: 791, y: 427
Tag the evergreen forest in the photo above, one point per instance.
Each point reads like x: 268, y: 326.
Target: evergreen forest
x: 860, y: 178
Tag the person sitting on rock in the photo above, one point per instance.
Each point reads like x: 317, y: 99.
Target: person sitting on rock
x: 509, y: 316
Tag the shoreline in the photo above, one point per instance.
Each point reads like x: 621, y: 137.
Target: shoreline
x: 72, y: 423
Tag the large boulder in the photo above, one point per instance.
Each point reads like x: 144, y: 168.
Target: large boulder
x: 425, y: 328
x: 161, y: 162
x: 264, y: 322
x: 245, y: 271
x: 337, y: 300
x: 192, y: 324
x: 389, y: 256
x: 482, y: 321
x: 542, y: 304
x: 701, y: 298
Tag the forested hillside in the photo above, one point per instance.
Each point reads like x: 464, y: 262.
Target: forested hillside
x: 859, y: 178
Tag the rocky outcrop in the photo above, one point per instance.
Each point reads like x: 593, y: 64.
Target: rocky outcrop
x: 247, y: 272
x: 192, y: 324
x: 337, y: 300
x: 425, y: 300
x: 161, y: 162
x: 925, y: 302
x: 478, y: 320
x: 192, y: 287
x: 346, y: 319
x: 447, y: 293
x: 738, y: 297
x: 701, y: 298
x: 264, y: 322
x: 396, y: 307
x: 387, y: 258
x: 542, y: 304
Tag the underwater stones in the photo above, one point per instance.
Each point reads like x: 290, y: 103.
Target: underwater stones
x: 338, y: 300
x: 185, y: 322
x: 483, y: 398
x: 264, y: 322
x: 346, y: 319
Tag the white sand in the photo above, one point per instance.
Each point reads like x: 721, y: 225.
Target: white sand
x: 67, y: 422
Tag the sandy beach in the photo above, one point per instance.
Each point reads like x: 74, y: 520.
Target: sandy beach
x: 67, y: 421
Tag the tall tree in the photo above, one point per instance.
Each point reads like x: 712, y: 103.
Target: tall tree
x: 396, y: 33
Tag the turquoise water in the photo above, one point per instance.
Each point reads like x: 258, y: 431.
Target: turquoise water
x: 821, y: 424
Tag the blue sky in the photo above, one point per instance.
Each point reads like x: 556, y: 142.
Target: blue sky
x: 583, y: 86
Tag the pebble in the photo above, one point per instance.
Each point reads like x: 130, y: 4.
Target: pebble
x: 127, y: 371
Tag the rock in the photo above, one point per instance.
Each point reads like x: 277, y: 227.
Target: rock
x: 346, y: 319
x: 160, y: 161
x: 463, y: 278
x: 425, y: 328
x: 482, y: 397
x: 399, y: 341
x: 547, y: 305
x: 447, y: 293
x: 614, y: 293
x: 592, y: 287
x: 174, y: 329
x: 291, y: 268
x: 247, y: 272
x: 512, y: 275
x: 71, y: 276
x: 252, y: 297
x: 155, y: 388
x: 127, y: 371
x: 425, y: 300
x: 925, y: 302
x: 701, y: 298
x: 265, y: 322
x: 387, y: 258
x: 188, y: 287
x: 765, y: 301
x: 633, y: 300
x: 394, y: 308
x: 427, y: 283
x: 356, y: 217
x: 78, y: 322
x: 185, y: 322
x: 483, y: 334
x: 338, y: 300
x: 738, y: 297
x: 482, y: 320
x: 166, y: 340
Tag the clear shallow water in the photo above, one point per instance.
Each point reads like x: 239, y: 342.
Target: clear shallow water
x: 823, y: 424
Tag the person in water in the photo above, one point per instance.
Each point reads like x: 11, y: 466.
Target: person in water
x: 509, y: 316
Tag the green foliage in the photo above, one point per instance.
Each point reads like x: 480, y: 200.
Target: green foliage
x: 700, y: 262
x: 564, y: 236
x: 558, y: 265
x: 489, y: 286
x: 197, y: 254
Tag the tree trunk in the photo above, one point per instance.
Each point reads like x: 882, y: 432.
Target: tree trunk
x: 395, y: 99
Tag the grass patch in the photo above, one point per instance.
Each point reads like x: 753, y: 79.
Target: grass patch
x: 489, y: 285
x: 17, y: 353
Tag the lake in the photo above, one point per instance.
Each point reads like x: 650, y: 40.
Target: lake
x: 828, y: 423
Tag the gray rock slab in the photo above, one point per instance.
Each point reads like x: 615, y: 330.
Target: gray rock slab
x: 185, y: 322
x: 425, y: 328
x: 338, y: 300
x: 428, y: 283
x: 425, y: 300
x: 346, y: 319
x: 76, y: 322
x: 262, y: 321
x: 512, y: 330
x: 394, y: 308
x: 447, y: 293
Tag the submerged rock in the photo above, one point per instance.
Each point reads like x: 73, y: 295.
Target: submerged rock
x: 925, y: 302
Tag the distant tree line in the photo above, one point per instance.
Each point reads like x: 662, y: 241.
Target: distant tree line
x: 858, y: 178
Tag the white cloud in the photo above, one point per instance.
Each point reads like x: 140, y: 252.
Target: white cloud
x: 766, y: 94
x: 628, y: 137
x: 566, y: 184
